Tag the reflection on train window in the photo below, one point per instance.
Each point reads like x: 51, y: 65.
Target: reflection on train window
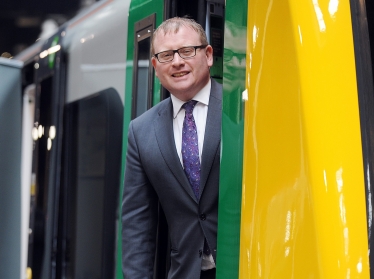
x: 92, y: 167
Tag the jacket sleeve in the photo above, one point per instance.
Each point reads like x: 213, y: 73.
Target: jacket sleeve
x: 139, y: 215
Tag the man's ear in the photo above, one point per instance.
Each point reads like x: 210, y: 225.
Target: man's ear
x: 154, y: 63
x: 209, y: 55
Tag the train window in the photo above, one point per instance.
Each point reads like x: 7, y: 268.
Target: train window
x: 92, y: 164
x: 143, y: 71
x: 142, y: 103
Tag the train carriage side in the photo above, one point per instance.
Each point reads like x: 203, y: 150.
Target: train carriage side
x: 297, y: 113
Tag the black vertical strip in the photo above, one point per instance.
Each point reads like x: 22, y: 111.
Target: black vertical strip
x: 170, y: 10
x: 113, y: 142
x: 59, y: 88
x: 366, y: 105
x: 370, y: 20
x: 68, y: 173
x: 201, y: 13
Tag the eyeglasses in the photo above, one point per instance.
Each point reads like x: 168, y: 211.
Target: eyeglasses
x: 184, y: 52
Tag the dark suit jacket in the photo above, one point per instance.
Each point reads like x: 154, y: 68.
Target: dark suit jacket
x: 154, y: 173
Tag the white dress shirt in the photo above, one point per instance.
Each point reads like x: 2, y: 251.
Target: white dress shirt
x: 200, y: 113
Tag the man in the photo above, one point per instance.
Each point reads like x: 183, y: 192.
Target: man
x: 179, y: 171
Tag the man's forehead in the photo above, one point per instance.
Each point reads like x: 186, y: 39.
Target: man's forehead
x: 189, y: 37
x: 177, y: 30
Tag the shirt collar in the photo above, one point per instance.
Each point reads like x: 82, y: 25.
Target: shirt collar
x: 202, y: 97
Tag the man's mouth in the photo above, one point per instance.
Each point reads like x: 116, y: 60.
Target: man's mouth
x: 180, y: 74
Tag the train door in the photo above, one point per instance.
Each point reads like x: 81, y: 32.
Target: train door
x: 46, y: 158
x: 95, y: 45
x: 75, y: 173
x: 90, y: 185
x: 145, y: 88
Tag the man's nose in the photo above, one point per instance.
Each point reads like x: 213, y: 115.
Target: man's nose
x: 177, y: 59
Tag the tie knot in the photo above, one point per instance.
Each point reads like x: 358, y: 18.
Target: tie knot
x: 189, y: 106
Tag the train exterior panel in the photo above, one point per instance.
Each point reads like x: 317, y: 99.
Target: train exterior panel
x: 96, y: 43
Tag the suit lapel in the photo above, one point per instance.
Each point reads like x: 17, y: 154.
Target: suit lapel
x: 165, y: 139
x: 212, y: 137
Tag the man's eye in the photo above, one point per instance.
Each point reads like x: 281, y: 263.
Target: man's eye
x: 165, y: 55
x: 186, y: 51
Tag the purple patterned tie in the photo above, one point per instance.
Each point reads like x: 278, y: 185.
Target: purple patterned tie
x: 190, y: 148
x: 190, y: 154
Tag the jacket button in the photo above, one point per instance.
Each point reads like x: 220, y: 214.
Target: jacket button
x: 202, y: 217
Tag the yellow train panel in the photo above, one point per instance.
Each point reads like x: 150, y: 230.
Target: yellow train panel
x: 303, y: 207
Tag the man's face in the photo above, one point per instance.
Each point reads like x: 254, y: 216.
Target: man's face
x: 234, y: 69
x: 184, y: 78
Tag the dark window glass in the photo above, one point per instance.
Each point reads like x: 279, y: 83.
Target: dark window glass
x: 92, y: 171
x: 142, y: 103
x: 142, y: 93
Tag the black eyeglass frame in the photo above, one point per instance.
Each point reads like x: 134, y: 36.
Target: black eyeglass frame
x: 177, y: 51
